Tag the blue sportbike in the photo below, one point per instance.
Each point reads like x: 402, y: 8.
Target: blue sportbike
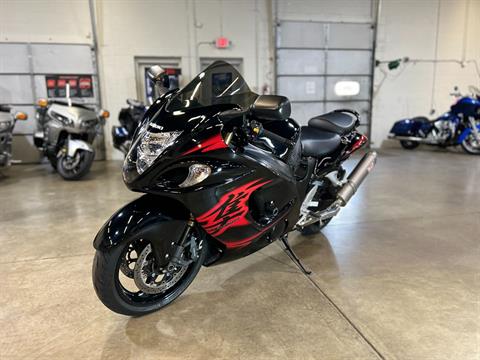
x: 459, y: 126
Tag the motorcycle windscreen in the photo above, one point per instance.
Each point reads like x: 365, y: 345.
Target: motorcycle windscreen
x: 220, y: 83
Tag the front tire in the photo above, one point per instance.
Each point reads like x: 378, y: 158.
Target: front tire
x: 77, y: 167
x: 409, y: 145
x: 109, y: 265
x: 470, y: 145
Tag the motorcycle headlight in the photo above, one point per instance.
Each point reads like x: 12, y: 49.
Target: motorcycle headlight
x: 5, y: 125
x: 151, y: 146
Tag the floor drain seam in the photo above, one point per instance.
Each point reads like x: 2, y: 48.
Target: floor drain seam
x: 337, y: 308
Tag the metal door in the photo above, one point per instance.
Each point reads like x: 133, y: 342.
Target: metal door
x: 315, y: 60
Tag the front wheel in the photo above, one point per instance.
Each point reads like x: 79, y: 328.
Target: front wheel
x: 408, y: 144
x: 76, y: 167
x: 128, y: 281
x: 471, y: 145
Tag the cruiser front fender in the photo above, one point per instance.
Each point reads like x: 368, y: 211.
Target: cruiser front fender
x: 75, y: 145
x: 156, y: 219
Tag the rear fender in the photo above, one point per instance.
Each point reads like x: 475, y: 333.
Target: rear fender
x: 156, y: 219
x: 465, y: 134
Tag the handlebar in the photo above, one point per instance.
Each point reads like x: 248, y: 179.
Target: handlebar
x: 259, y: 130
x: 247, y: 129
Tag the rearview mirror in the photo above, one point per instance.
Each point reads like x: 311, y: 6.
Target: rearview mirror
x: 159, y: 76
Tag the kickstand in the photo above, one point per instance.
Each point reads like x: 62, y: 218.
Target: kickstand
x: 291, y: 254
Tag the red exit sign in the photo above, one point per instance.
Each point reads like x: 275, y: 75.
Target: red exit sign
x: 222, y: 43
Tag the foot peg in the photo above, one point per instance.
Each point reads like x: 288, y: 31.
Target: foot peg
x: 291, y: 254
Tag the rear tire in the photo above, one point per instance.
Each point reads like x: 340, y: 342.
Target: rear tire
x: 408, y: 144
x: 105, y: 275
x: 78, y: 171
x: 314, y: 228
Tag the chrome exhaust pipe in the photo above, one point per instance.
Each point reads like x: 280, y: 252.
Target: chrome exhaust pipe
x: 356, y: 178
x: 348, y: 189
x: 407, y: 138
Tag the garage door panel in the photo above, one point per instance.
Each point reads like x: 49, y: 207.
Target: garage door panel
x: 346, y: 62
x: 304, y: 88
x: 364, y: 82
x: 62, y: 59
x: 14, y: 58
x: 350, y: 36
x: 302, y: 112
x: 15, y: 89
x: 301, y: 35
x: 293, y: 61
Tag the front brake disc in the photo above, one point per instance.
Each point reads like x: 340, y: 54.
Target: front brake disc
x: 152, y: 280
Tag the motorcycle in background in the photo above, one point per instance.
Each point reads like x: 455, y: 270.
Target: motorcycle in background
x: 8, y: 118
x: 129, y: 118
x: 65, y: 135
x: 459, y: 126
x: 225, y: 172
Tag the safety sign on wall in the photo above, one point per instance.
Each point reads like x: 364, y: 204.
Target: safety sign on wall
x: 81, y: 86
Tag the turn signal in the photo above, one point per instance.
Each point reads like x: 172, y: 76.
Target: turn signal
x: 21, y: 116
x: 42, y: 103
x: 105, y: 114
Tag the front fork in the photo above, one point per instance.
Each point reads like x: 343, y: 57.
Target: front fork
x: 187, y: 240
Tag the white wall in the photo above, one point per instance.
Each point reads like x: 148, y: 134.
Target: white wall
x: 173, y: 29
x: 409, y: 28
x: 167, y: 28
x: 146, y: 28
x: 45, y: 21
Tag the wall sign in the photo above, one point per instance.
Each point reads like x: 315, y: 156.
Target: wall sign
x: 81, y: 86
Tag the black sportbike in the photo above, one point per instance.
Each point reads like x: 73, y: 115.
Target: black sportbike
x: 225, y: 172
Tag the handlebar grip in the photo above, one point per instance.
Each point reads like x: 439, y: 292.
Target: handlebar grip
x: 276, y: 137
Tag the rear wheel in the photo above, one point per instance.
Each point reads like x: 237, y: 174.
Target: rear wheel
x: 324, y: 198
x: 471, y: 145
x: 314, y: 228
x: 128, y: 281
x: 408, y: 144
x: 75, y: 167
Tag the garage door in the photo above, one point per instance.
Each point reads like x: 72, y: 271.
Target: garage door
x: 23, y: 71
x: 322, y: 66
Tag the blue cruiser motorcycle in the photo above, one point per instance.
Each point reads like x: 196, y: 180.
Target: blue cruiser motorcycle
x: 459, y: 126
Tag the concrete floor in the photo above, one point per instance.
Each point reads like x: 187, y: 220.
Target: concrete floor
x: 396, y: 275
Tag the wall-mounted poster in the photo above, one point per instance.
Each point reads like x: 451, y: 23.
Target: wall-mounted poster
x: 81, y: 86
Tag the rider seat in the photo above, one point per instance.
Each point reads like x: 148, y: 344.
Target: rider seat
x: 318, y: 143
x: 339, y: 122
